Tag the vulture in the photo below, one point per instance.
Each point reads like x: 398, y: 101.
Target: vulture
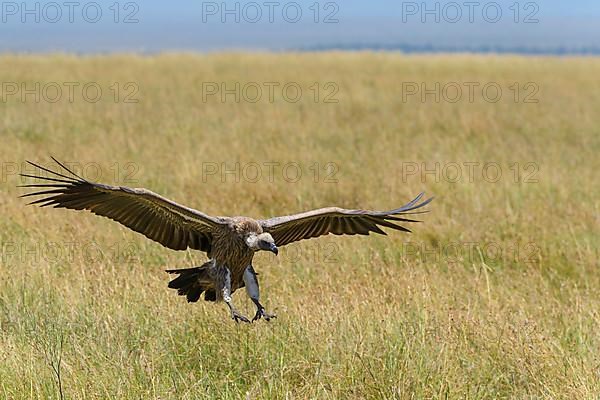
x: 229, y: 242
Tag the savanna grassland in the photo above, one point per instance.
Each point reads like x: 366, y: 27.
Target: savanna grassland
x: 496, y: 295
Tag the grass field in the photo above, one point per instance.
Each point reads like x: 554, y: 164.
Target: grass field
x: 496, y: 295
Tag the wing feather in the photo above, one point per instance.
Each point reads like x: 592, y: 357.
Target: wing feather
x: 162, y: 220
x: 340, y: 221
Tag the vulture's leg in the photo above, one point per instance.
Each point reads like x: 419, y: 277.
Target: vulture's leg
x: 251, y: 282
x: 226, y: 292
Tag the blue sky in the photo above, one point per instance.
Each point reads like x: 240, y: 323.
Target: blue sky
x: 153, y: 25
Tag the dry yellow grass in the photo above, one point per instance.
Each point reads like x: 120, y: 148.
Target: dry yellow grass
x: 496, y: 295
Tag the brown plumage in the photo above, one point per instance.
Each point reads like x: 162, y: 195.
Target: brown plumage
x: 230, y: 242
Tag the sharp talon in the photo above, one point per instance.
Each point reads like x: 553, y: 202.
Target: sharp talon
x: 239, y: 317
x: 261, y: 313
x: 269, y: 317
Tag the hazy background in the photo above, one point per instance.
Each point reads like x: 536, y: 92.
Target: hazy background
x: 549, y: 26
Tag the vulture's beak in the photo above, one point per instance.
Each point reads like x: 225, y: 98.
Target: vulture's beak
x: 273, y: 249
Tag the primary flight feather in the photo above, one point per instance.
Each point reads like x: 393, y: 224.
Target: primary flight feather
x: 230, y: 242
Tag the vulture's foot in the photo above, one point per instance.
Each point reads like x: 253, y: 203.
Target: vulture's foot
x: 237, y: 317
x: 261, y: 313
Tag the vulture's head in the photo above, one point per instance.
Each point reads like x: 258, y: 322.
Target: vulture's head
x: 262, y: 241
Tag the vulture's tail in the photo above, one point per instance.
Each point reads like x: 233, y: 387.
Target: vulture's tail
x: 191, y: 282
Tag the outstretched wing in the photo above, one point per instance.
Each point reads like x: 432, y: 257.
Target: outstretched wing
x: 162, y: 220
x: 339, y: 221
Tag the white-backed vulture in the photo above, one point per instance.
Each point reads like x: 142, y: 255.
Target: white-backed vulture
x: 230, y: 242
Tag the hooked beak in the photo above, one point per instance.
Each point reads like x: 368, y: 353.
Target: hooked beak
x: 273, y: 249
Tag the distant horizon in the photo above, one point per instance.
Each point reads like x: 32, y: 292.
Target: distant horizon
x: 407, y: 49
x: 505, y: 26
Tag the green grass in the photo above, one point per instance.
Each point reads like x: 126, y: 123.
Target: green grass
x: 495, y: 296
